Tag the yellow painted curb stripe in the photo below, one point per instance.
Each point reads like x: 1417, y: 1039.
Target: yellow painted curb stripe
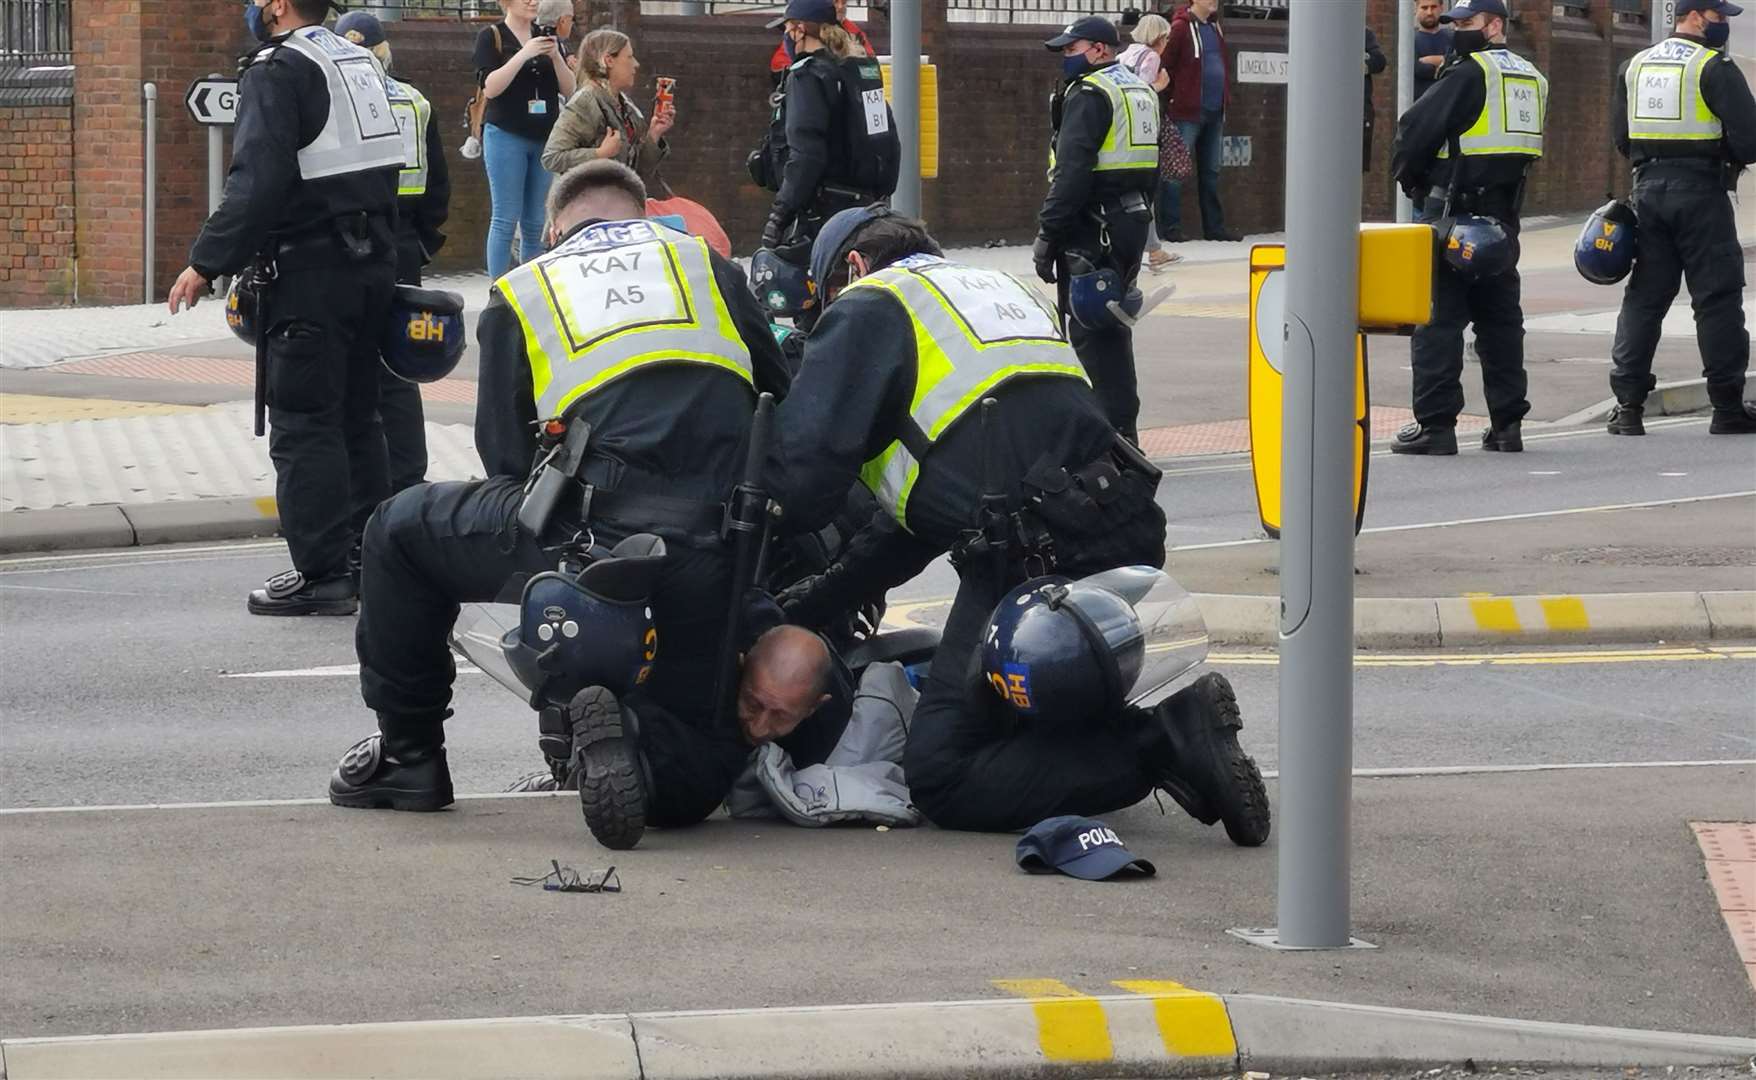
x: 1192, y: 1023
x: 1496, y: 615
x: 267, y: 507
x: 1565, y: 613
x: 1071, y: 1026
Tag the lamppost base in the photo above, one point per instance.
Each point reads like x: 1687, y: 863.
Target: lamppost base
x: 1268, y: 937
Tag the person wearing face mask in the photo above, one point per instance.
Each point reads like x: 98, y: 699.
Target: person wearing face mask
x: 1468, y: 144
x: 311, y: 201
x: 1686, y: 120
x: 1103, y: 168
x: 423, y: 201
x: 601, y: 121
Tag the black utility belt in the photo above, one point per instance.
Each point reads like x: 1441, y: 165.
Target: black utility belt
x: 693, y: 522
x: 347, y: 238
x: 1707, y: 167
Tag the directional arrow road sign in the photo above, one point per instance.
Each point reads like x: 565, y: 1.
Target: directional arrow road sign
x: 213, y: 100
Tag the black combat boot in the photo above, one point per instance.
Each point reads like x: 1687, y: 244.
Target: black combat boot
x: 1191, y: 739
x: 398, y: 769
x: 613, y: 785
x: 1739, y: 419
x: 1419, y: 439
x: 1626, y: 419
x: 1506, y: 440
x: 288, y: 593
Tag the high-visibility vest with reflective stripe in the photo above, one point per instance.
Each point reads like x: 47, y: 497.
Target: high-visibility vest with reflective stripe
x: 1514, y: 107
x: 412, y: 111
x: 1664, y: 93
x: 617, y: 297
x: 1132, y: 141
x: 974, y: 329
x: 360, y: 133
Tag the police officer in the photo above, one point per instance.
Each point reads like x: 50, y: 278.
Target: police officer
x: 889, y: 392
x: 1687, y: 122
x: 654, y: 342
x: 837, y: 144
x: 1472, y: 137
x: 1103, y: 170
x: 423, y: 201
x: 311, y: 198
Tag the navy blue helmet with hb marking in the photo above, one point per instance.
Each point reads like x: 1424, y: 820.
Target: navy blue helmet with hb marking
x: 1063, y: 650
x: 1604, y: 253
x: 426, y: 334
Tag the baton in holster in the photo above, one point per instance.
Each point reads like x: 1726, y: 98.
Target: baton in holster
x: 996, y: 535
x: 745, y: 521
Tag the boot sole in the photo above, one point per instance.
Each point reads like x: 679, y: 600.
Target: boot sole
x: 1503, y: 447
x: 424, y: 802
x: 306, y: 607
x: 1423, y: 451
x: 1711, y: 430
x: 1619, y: 431
x: 612, y: 793
x: 1248, y: 820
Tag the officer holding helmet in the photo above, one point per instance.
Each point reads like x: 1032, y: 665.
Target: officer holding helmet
x: 311, y: 201
x: 635, y: 353
x: 1103, y: 170
x: 1686, y: 120
x: 1470, y: 140
x: 423, y: 202
x: 890, y: 393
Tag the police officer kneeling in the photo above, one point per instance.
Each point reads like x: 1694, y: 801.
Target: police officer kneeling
x: 1687, y: 121
x: 1474, y: 135
x: 311, y: 198
x: 889, y: 392
x: 654, y: 344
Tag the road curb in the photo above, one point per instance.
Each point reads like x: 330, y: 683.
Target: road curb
x: 77, y: 528
x: 1467, y: 621
x: 1667, y: 399
x: 1174, y: 1032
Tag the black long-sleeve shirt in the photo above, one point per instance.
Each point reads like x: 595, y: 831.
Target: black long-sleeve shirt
x: 676, y: 430
x: 851, y: 400
x: 813, y: 97
x: 1726, y: 92
x: 1448, y: 110
x: 1074, y: 186
x: 283, y: 103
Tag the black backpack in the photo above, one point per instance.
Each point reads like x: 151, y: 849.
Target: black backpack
x: 871, y: 157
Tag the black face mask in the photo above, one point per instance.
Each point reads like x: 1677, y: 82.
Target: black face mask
x: 1464, y: 42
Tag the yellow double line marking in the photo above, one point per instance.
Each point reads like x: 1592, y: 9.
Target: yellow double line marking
x: 1072, y: 1025
x: 1516, y: 659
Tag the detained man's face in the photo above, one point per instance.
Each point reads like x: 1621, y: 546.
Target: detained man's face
x: 1427, y: 14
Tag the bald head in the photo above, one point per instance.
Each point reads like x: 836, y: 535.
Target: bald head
x: 785, y: 680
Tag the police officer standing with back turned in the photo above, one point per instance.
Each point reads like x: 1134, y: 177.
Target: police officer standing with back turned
x: 890, y: 392
x: 1684, y: 116
x: 1103, y: 170
x: 1470, y: 140
x: 423, y: 201
x: 311, y: 198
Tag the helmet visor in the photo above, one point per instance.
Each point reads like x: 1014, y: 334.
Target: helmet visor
x: 479, y: 635
x: 1173, y: 631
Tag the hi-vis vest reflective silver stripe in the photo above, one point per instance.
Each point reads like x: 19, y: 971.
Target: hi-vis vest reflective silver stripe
x: 412, y: 111
x: 360, y: 133
x: 1132, y: 141
x: 1514, y: 108
x: 1664, y: 93
x: 974, y: 329
x: 616, y: 297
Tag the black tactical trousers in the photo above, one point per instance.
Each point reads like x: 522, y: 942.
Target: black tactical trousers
x: 971, y: 764
x: 1108, y: 355
x: 436, y: 546
x: 1687, y: 231
x: 399, y: 402
x: 1436, y: 354
x: 325, y: 437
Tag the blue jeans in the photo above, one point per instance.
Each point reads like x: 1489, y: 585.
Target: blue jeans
x: 1204, y: 140
x: 517, y: 185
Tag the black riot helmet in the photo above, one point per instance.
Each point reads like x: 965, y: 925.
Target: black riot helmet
x: 594, y: 628
x: 1062, y: 650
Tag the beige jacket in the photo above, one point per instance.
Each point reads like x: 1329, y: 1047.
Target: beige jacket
x: 582, y: 125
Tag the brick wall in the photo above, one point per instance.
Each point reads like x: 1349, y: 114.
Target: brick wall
x: 36, y: 197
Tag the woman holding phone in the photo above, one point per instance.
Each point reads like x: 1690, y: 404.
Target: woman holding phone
x: 602, y: 121
x: 524, y: 77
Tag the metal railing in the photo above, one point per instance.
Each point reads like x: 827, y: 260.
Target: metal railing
x: 1045, y: 12
x: 36, y: 33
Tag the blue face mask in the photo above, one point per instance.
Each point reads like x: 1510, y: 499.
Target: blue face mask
x: 253, y: 19
x: 1074, y: 66
x: 1717, y: 34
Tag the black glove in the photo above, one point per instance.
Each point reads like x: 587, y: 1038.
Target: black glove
x: 1042, y: 253
x: 772, y: 229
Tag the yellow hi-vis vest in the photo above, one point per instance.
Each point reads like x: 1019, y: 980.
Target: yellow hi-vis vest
x: 1132, y: 141
x: 614, y: 298
x: 412, y: 111
x: 1664, y: 93
x: 359, y: 133
x: 974, y: 329
x: 1514, y: 107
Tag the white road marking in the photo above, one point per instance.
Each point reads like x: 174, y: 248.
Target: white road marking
x: 1368, y: 774
x: 1673, y: 474
x: 1545, y: 472
x: 141, y: 557
x: 328, y: 672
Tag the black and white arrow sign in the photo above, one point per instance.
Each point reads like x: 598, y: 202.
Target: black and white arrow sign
x: 213, y: 100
